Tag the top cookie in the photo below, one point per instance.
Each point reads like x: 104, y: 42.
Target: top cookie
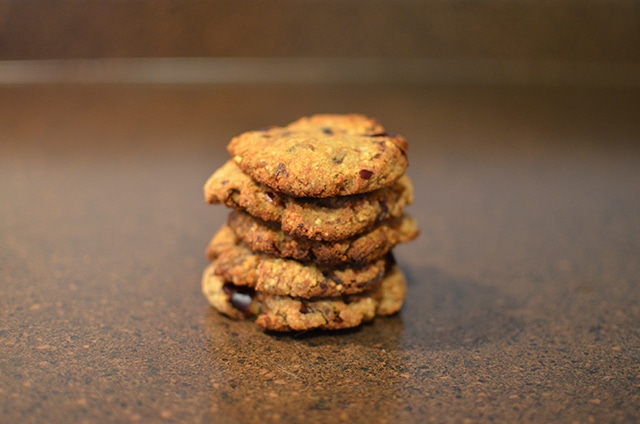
x: 322, y: 156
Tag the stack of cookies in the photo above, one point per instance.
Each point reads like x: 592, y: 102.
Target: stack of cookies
x: 317, y: 207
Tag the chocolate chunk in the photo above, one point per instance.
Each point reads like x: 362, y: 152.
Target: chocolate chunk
x: 241, y: 301
x: 239, y: 297
x: 365, y: 174
x: 303, y: 308
x: 327, y: 130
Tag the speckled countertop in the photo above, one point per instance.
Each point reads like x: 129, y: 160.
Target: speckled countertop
x: 524, y: 286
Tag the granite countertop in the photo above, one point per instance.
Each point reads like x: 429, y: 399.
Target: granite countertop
x: 524, y: 286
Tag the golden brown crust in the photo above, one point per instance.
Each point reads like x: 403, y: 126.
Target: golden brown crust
x: 322, y: 156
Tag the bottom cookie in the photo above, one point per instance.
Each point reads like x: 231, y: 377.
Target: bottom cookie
x: 285, y: 313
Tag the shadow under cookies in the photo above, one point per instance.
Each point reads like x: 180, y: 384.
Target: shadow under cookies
x: 447, y: 312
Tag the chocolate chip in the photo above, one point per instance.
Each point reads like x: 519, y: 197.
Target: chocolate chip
x: 224, y: 182
x: 241, y: 301
x: 240, y: 297
x: 365, y: 174
x: 327, y: 130
x: 337, y: 160
x: 303, y: 308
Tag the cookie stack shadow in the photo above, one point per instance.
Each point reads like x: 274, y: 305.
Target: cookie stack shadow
x: 317, y: 207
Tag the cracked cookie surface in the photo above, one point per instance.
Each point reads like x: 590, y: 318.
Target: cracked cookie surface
x: 267, y: 237
x: 333, y: 218
x: 322, y: 156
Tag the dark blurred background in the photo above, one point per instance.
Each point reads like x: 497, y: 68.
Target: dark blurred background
x: 583, y: 41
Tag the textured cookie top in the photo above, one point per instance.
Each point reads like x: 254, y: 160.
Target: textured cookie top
x: 322, y: 156
x: 329, y: 219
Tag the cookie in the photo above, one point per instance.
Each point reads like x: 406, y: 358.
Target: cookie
x: 334, y: 218
x: 237, y: 302
x: 267, y: 237
x: 322, y: 156
x: 240, y: 266
x: 283, y: 313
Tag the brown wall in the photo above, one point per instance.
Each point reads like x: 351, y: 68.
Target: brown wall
x: 518, y: 30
